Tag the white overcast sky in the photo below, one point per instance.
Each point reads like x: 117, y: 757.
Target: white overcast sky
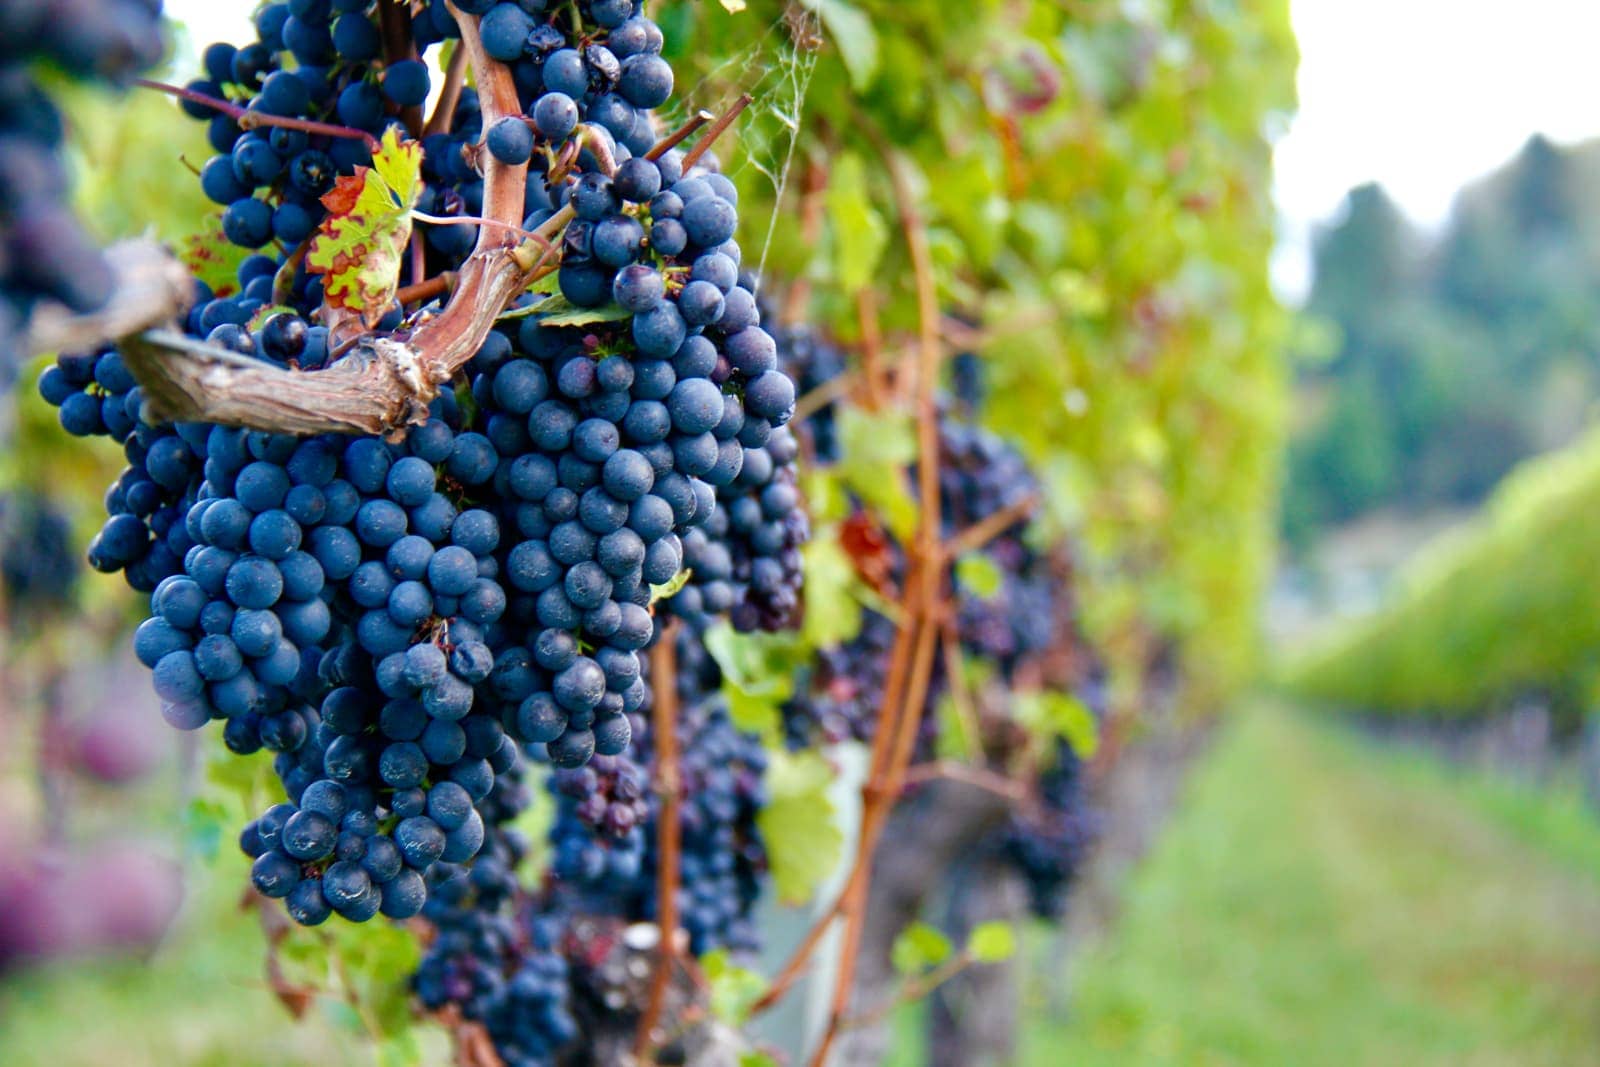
x: 1424, y: 96
x: 1421, y: 95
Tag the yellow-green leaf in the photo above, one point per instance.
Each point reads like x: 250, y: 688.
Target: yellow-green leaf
x: 212, y: 258
x: 799, y: 824
x: 979, y: 575
x: 670, y: 589
x: 992, y: 942
x: 851, y: 32
x: 360, y: 245
x: 757, y: 676
x: 1060, y: 715
x: 876, y: 447
x: 833, y: 614
x: 557, y: 310
x: 919, y: 947
x: 734, y: 989
x: 859, y: 233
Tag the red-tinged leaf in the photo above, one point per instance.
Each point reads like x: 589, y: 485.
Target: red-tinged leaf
x: 870, y: 551
x: 212, y: 258
x: 341, y: 199
x: 360, y: 246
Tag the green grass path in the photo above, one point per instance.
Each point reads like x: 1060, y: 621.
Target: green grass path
x: 1314, y: 900
x: 1317, y: 900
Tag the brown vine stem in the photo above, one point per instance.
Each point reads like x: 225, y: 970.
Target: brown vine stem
x: 283, y: 278
x: 977, y: 777
x: 600, y: 149
x: 386, y: 381
x: 722, y: 122
x: 673, y: 139
x: 395, y: 22
x: 475, y: 220
x: 427, y: 289
x: 828, y: 392
x: 882, y: 739
x: 664, y: 723
x: 966, y: 712
x: 152, y: 288
x: 871, y: 348
x: 990, y: 526
x: 249, y: 120
x: 923, y: 604
x: 914, y: 989
x: 880, y: 802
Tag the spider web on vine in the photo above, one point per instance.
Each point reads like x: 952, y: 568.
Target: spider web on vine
x: 776, y: 70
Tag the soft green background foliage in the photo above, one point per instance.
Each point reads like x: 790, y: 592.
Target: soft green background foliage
x: 1506, y: 606
x: 1451, y: 357
x: 1094, y: 180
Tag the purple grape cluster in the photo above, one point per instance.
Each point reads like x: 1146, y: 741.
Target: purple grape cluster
x: 44, y: 254
x: 39, y: 566
x: 398, y: 619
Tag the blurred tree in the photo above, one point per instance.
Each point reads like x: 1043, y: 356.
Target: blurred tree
x: 1457, y: 356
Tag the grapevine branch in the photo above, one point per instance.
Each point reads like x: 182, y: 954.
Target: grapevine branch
x: 923, y: 605
x: 914, y: 989
x: 721, y: 123
x: 249, y: 120
x: 923, y: 596
x: 977, y: 777
x: 385, y: 381
x: 672, y: 140
x: 664, y: 724
x: 398, y: 44
x: 152, y: 288
x: 991, y: 526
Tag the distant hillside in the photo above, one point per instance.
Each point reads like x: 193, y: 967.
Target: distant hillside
x: 1504, y: 607
x: 1451, y: 358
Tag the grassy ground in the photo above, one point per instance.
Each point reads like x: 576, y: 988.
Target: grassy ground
x: 1319, y: 901
x: 1315, y: 900
x: 199, y: 1001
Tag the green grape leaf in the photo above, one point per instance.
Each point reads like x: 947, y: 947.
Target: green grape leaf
x: 799, y: 824
x: 734, y: 989
x: 557, y: 310
x: 859, y: 233
x: 919, y: 947
x: 547, y: 286
x: 979, y: 575
x: 401, y: 1049
x: 877, y: 447
x: 851, y: 32
x: 212, y: 258
x: 757, y: 676
x: 992, y: 942
x: 756, y: 1059
x: 263, y: 314
x: 1057, y: 714
x: 832, y: 615
x: 668, y: 590
x: 205, y: 823
x: 342, y: 1015
x: 360, y: 245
